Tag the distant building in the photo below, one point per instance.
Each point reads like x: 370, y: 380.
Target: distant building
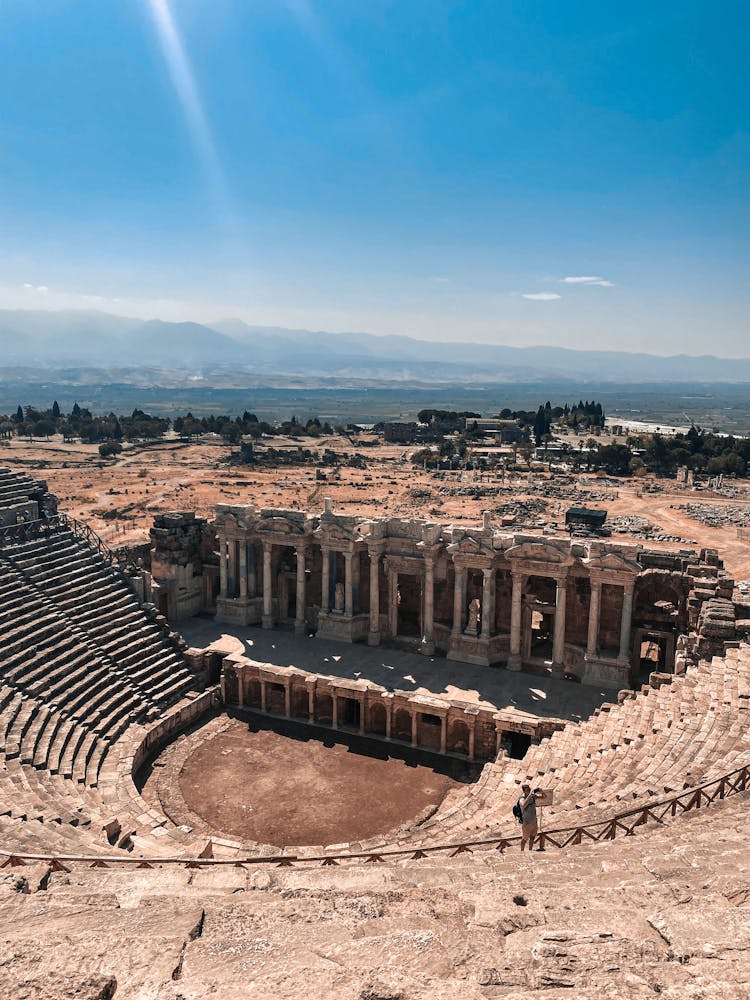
x: 508, y: 430
x: 397, y: 433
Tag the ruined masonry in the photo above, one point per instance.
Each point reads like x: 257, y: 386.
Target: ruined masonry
x: 578, y: 608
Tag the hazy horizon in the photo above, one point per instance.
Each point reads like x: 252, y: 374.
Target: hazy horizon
x: 573, y: 176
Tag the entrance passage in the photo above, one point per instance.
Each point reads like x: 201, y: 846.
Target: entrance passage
x: 256, y: 784
x: 542, y: 626
x: 349, y: 712
x: 409, y: 597
x: 519, y: 743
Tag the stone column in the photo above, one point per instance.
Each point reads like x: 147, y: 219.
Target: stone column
x: 299, y: 621
x: 626, y: 622
x: 393, y: 603
x: 443, y: 733
x: 362, y: 715
x: 459, y: 588
x: 428, y: 642
x: 514, y: 658
x: 243, y: 569
x: 414, y: 723
x: 592, y: 644
x: 348, y: 585
x: 240, y: 687
x: 288, y: 699
x: 558, y: 641
x: 388, y: 718
x: 311, y: 700
x: 325, y: 585
x: 267, y: 620
x: 262, y: 695
x: 487, y: 601
x: 669, y: 653
x: 233, y: 568
x: 373, y: 638
x: 472, y: 727
x: 223, y: 548
x: 334, y: 710
x: 252, y: 570
x: 356, y: 587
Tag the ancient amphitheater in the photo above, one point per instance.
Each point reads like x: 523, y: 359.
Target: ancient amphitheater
x: 624, y: 688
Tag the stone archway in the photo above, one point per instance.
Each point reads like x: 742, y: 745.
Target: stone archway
x: 300, y: 702
x: 376, y: 722
x: 401, y: 729
x: 252, y: 694
x: 458, y: 737
x: 324, y: 708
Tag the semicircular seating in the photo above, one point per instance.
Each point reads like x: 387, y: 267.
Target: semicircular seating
x: 647, y: 747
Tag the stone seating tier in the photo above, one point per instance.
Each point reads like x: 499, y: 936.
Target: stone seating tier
x: 15, y: 487
x: 657, y: 742
x: 67, y: 743
x: 80, y: 664
x: 93, y: 597
x: 659, y: 913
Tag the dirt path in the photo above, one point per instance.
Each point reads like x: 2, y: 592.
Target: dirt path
x: 120, y: 498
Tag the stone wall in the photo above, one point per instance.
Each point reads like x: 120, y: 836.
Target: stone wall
x: 439, y: 725
x: 585, y: 609
x: 183, y: 565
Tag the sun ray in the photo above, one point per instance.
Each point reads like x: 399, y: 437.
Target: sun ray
x: 183, y: 81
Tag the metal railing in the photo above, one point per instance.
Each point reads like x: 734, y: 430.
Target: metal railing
x: 26, y: 531
x: 621, y: 824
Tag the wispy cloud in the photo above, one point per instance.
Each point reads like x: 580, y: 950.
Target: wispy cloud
x: 42, y: 289
x: 587, y: 279
x: 541, y: 296
x: 438, y: 279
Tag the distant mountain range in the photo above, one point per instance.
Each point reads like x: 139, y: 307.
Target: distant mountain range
x: 96, y: 339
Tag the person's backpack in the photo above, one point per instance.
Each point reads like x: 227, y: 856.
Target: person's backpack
x: 517, y: 812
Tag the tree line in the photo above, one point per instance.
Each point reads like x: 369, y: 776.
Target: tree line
x: 111, y: 430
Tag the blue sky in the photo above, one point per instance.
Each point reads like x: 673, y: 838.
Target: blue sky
x: 423, y: 167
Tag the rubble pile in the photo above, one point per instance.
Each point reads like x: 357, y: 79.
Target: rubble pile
x: 522, y: 510
x: 641, y: 527
x: 715, y: 516
x: 544, y: 488
x: 732, y: 493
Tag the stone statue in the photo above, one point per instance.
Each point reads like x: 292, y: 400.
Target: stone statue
x: 475, y: 614
x: 338, y: 597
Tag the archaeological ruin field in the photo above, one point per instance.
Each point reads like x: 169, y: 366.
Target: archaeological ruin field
x: 263, y: 727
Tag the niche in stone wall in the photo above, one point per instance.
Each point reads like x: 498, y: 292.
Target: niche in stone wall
x: 610, y: 618
x: 503, y: 600
x: 577, y: 604
x: 429, y: 732
x: 401, y: 729
x: 376, y: 719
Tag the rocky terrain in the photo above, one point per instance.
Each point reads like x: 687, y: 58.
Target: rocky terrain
x: 664, y: 913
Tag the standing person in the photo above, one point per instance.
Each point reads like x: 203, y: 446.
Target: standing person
x: 529, y: 824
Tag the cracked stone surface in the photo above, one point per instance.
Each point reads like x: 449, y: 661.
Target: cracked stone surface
x: 663, y: 913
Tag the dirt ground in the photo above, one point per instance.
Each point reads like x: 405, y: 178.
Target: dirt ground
x: 260, y: 785
x: 120, y: 498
